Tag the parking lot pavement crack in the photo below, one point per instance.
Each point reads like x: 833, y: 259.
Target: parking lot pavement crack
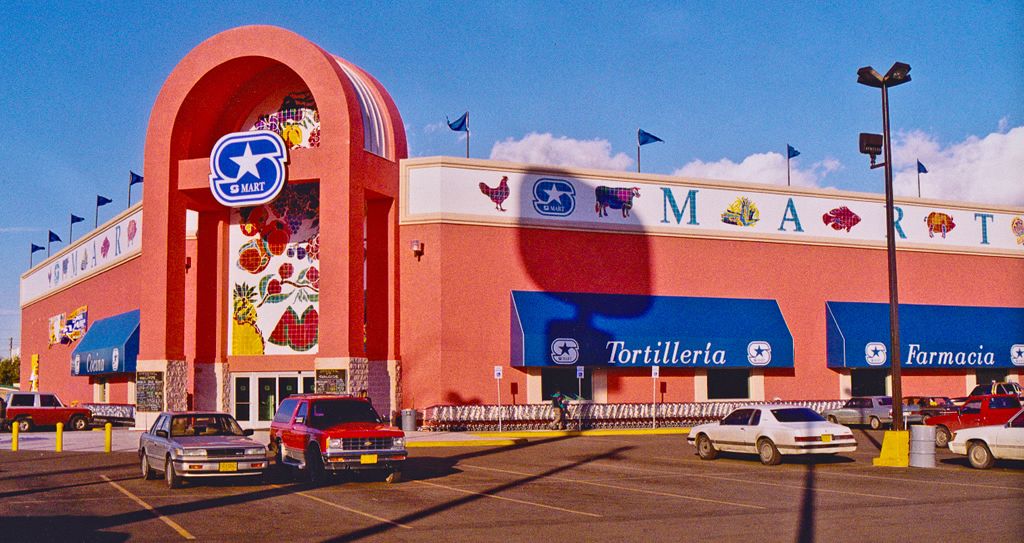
x: 620, y: 487
x: 488, y: 495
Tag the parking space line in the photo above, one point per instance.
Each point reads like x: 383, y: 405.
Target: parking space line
x: 765, y: 483
x: 910, y: 480
x: 177, y: 527
x: 887, y: 478
x: 349, y: 509
x: 564, y: 510
x: 619, y: 487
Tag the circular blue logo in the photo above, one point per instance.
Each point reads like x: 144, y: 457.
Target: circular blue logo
x: 247, y: 168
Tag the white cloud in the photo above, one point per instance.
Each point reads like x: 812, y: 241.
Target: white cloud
x: 762, y: 168
x: 981, y: 170
x: 435, y: 127
x: 537, y: 148
x: 18, y: 229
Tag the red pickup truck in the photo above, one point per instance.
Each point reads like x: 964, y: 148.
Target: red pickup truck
x: 321, y: 433
x: 987, y: 410
x: 30, y: 409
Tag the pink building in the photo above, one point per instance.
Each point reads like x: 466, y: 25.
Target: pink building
x: 288, y: 245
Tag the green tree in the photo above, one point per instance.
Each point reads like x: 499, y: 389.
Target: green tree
x: 10, y: 370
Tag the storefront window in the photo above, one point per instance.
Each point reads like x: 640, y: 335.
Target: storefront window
x: 564, y: 380
x: 242, y: 398
x: 986, y: 375
x: 868, y: 382
x: 728, y: 384
x: 267, y: 397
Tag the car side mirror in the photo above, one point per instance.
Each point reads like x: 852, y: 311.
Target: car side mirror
x: 248, y: 432
x: 161, y: 433
x: 300, y: 420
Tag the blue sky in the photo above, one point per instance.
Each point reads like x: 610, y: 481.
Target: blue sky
x: 726, y: 84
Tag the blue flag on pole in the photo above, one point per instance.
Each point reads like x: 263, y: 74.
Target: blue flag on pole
x: 134, y: 178
x: 921, y: 168
x: 102, y: 200
x: 76, y: 218
x: 37, y: 248
x: 54, y: 237
x: 791, y: 151
x: 459, y: 125
x: 644, y: 137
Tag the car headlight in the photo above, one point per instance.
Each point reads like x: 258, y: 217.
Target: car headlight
x: 334, y: 443
x: 191, y: 452
x: 255, y: 451
x: 398, y: 443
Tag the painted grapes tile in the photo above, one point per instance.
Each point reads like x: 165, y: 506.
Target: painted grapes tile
x: 275, y: 275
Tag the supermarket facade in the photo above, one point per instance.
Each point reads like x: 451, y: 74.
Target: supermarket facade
x: 285, y: 243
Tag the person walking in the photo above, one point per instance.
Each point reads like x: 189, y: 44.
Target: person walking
x: 558, y: 407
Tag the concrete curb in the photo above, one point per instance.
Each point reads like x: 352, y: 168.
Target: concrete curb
x: 586, y: 433
x: 465, y: 443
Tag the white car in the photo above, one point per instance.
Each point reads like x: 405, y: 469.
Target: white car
x: 771, y: 431
x: 984, y: 444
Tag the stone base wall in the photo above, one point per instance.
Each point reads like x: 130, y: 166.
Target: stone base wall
x: 176, y: 385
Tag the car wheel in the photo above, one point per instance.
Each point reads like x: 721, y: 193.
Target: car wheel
x: 78, y: 423
x: 705, y: 449
x: 942, y: 437
x: 314, y: 464
x: 832, y: 419
x: 24, y: 424
x: 147, y: 470
x: 979, y: 455
x: 394, y: 476
x: 769, y: 454
x: 171, y: 476
x: 875, y: 423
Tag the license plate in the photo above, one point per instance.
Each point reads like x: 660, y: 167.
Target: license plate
x: 826, y: 438
x: 229, y: 466
x: 367, y: 459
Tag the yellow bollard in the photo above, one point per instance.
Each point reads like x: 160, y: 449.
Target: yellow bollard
x: 14, y: 436
x: 60, y: 437
x: 106, y: 439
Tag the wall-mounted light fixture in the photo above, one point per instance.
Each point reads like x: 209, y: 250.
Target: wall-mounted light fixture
x: 417, y: 248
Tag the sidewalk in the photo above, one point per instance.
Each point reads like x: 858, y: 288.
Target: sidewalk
x: 124, y: 439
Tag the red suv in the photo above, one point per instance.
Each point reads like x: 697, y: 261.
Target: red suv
x: 987, y: 410
x: 319, y: 433
x: 28, y: 410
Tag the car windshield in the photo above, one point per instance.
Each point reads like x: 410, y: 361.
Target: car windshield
x: 204, y: 425
x: 330, y: 412
x: 796, y: 414
x: 885, y: 401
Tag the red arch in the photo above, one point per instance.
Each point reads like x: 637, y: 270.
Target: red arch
x: 208, y: 94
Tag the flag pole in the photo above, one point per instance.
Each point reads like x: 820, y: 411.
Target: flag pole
x: 96, y: 220
x: 129, y: 191
x: 637, y: 150
x: 918, y: 178
x: 31, y: 253
x: 47, y: 245
x: 71, y: 229
x: 787, y: 167
x: 467, y: 134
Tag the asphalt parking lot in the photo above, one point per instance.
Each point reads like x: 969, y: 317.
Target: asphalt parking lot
x: 618, y: 488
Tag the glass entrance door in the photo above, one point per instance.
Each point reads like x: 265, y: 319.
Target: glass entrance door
x: 286, y: 386
x: 267, y: 394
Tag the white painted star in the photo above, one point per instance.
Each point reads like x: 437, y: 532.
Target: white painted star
x: 554, y: 194
x: 248, y: 161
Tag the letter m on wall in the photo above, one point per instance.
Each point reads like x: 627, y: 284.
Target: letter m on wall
x: 669, y: 200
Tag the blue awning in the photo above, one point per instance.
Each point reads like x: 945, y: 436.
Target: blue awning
x: 618, y: 330
x: 931, y: 336
x: 110, y: 346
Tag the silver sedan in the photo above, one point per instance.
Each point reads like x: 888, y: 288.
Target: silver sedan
x: 199, y: 444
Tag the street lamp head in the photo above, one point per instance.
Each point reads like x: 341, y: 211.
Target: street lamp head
x: 868, y: 76
x: 898, y: 74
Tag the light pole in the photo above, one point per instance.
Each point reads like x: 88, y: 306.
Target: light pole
x: 897, y: 75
